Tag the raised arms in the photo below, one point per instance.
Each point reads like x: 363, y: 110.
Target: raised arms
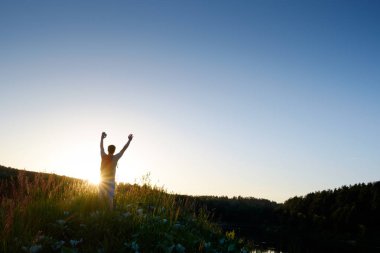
x: 102, y: 153
x: 120, y: 154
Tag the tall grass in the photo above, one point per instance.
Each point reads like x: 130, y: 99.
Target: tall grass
x: 59, y: 214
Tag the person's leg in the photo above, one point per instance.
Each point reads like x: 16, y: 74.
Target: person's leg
x: 110, y: 203
x: 102, y: 190
x: 106, y: 193
x: 111, y: 194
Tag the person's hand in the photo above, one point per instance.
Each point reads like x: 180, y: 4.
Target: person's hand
x: 130, y: 137
x: 104, y: 135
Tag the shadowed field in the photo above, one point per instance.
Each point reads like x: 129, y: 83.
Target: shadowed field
x: 50, y: 213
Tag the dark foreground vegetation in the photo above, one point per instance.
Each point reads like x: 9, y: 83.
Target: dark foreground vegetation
x: 47, y: 213
x: 346, y: 219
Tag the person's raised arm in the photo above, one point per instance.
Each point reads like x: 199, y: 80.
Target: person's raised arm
x: 120, y: 154
x: 102, y: 153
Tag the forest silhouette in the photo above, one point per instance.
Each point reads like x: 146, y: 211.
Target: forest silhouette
x: 345, y: 219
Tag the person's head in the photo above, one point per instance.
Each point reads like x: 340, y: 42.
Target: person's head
x: 111, y: 149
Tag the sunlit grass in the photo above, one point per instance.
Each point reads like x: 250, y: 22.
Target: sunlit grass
x: 59, y: 214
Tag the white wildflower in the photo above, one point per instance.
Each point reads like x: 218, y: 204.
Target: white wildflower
x: 61, y: 222
x: 164, y: 221
x: 140, y: 211
x: 177, y: 226
x: 135, y: 246
x: 57, y: 245
x: 39, y: 238
x: 126, y: 214
x: 74, y: 243
x: 35, y: 248
x: 94, y: 214
x: 170, y: 249
x: 179, y: 248
x: 231, y: 247
x: 101, y: 250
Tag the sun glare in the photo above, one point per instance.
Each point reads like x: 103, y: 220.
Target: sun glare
x: 93, y: 178
x: 79, y: 165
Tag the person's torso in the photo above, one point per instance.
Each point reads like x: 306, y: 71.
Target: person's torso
x: 108, y: 168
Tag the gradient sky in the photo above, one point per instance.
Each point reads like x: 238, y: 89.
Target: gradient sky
x: 269, y: 99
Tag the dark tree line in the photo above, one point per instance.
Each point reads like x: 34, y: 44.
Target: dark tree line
x: 346, y: 219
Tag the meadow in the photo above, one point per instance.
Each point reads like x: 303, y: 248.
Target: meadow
x: 49, y: 213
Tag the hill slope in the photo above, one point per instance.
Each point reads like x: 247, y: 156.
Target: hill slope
x: 50, y: 213
x: 346, y: 219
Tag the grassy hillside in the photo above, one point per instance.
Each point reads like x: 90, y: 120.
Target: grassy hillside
x: 44, y: 213
x: 49, y: 213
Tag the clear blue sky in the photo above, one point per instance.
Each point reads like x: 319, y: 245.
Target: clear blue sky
x: 268, y: 99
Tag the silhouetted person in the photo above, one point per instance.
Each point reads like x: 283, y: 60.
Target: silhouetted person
x: 108, y: 169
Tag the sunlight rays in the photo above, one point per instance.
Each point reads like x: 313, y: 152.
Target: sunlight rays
x: 93, y: 178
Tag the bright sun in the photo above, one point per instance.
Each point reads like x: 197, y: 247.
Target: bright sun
x: 79, y: 160
x: 93, y: 178
x: 80, y: 167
